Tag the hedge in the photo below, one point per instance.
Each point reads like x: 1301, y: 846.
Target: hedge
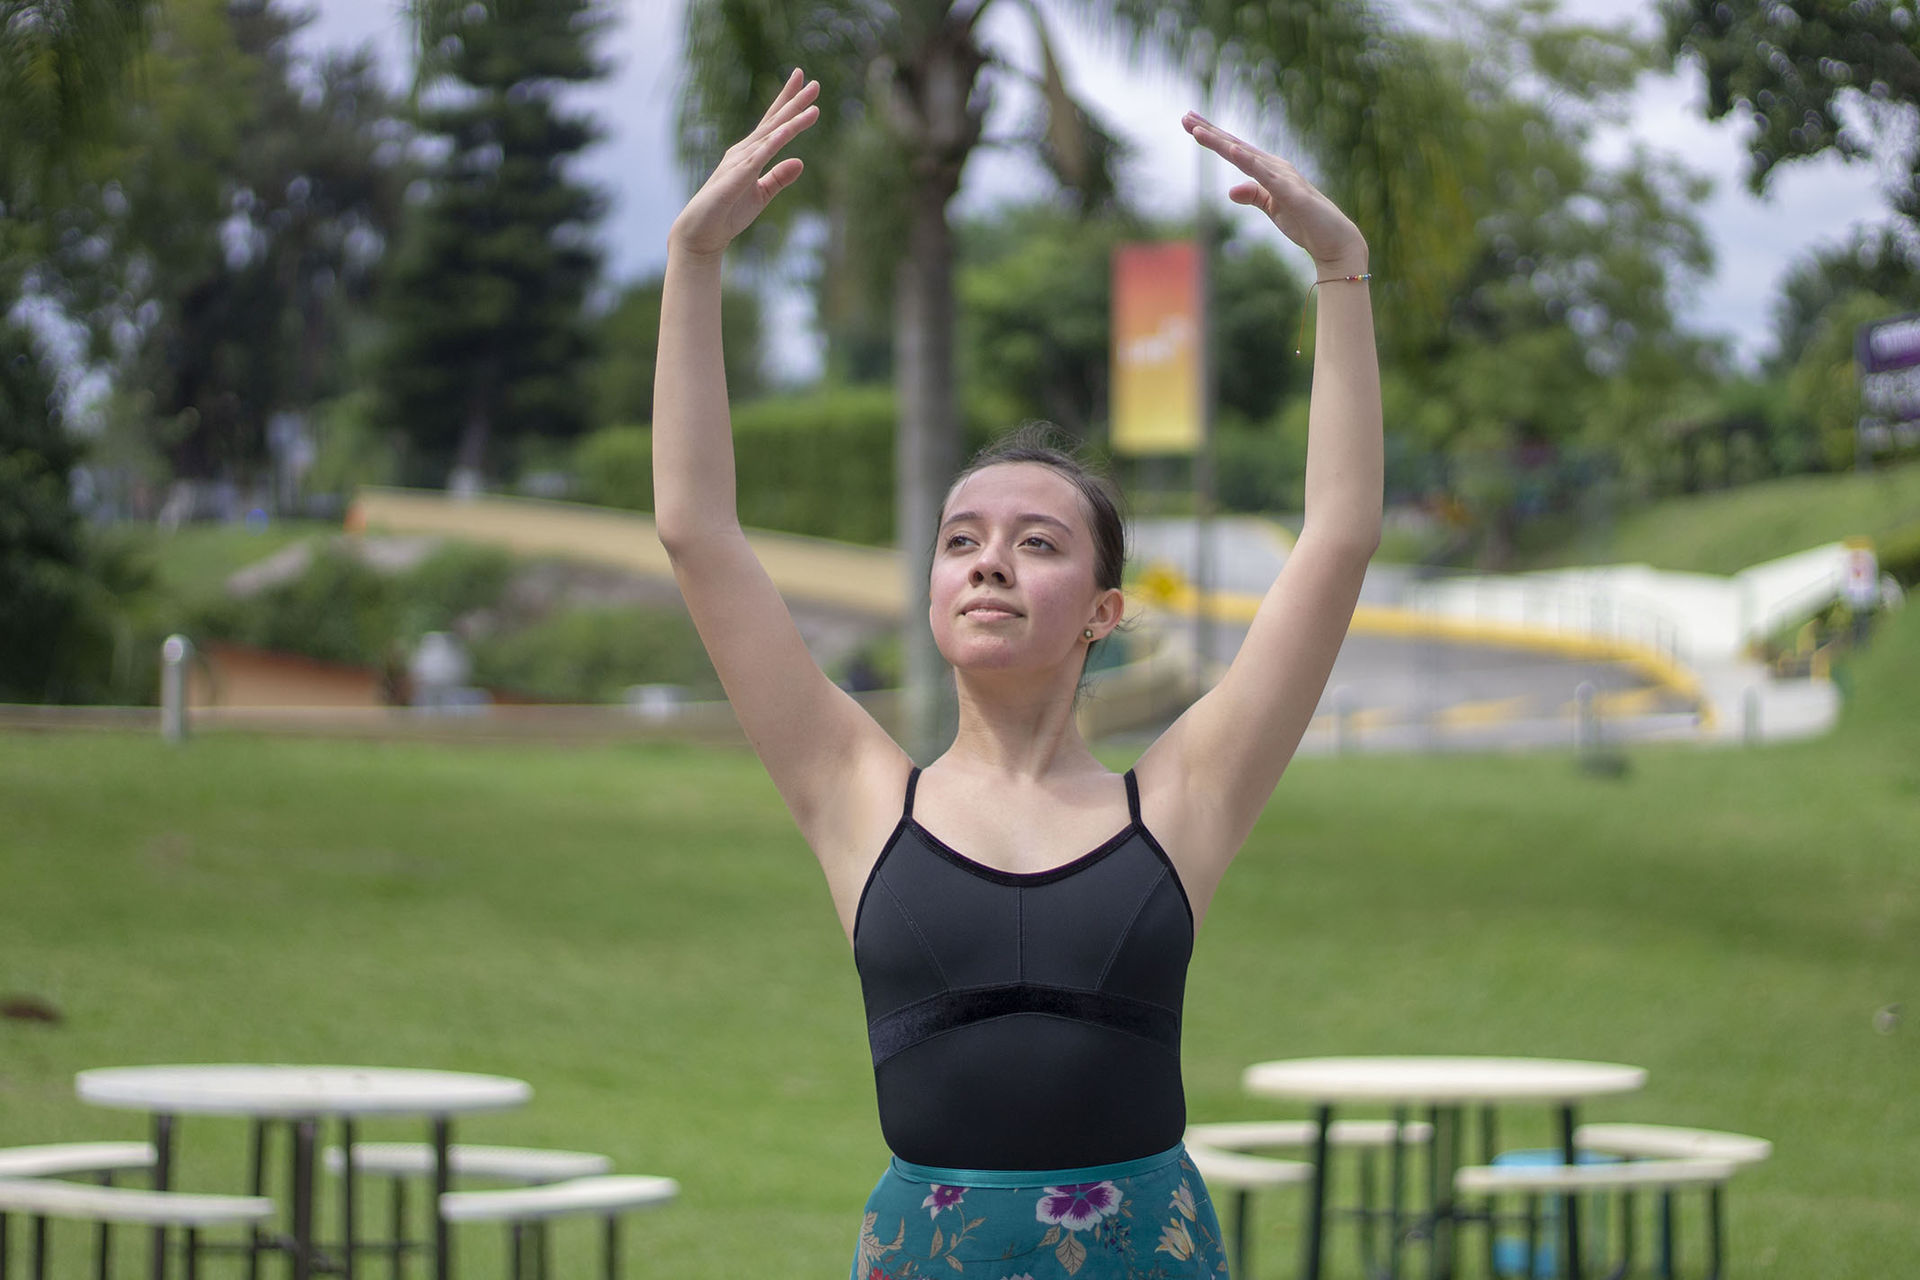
x: 819, y: 463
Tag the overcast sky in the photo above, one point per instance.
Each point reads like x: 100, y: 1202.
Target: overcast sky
x: 1809, y: 203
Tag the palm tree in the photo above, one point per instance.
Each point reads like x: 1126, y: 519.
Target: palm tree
x: 62, y: 66
x: 906, y: 85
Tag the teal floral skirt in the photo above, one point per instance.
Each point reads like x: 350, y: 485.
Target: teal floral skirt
x: 1147, y: 1219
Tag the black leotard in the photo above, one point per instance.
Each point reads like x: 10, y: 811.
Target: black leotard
x: 1025, y: 1020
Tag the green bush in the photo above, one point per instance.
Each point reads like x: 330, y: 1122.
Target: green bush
x: 1881, y: 695
x: 593, y: 655
x: 1259, y: 468
x: 457, y: 578
x: 1899, y: 554
x: 819, y: 463
x: 613, y: 467
x: 341, y: 610
x: 351, y: 450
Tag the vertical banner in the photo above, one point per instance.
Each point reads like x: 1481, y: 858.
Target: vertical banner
x: 1159, y: 365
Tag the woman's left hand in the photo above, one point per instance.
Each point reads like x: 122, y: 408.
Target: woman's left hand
x: 1296, y: 206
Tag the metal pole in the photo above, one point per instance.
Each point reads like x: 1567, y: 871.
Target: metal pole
x: 174, y: 654
x: 1587, y: 733
x: 1203, y: 456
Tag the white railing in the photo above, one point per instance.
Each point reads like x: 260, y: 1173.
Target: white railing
x: 1590, y: 610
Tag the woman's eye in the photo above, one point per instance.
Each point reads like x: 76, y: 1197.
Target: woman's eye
x: 1038, y: 541
x: 958, y: 539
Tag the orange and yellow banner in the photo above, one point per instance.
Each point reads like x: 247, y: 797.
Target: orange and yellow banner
x: 1159, y: 362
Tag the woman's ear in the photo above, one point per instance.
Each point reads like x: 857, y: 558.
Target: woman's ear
x: 1107, y: 612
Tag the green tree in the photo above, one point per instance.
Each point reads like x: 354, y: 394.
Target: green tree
x: 629, y: 338
x: 1791, y: 67
x: 905, y: 88
x: 1823, y: 385
x: 229, y: 238
x: 487, y: 340
x: 63, y: 67
x: 1035, y: 292
x: 1874, y: 260
x: 1561, y: 352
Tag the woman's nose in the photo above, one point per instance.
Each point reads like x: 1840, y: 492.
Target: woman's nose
x: 988, y: 566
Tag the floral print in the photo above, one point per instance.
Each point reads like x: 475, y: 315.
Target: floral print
x: 942, y: 1198
x: 1078, y: 1206
x: 1156, y: 1225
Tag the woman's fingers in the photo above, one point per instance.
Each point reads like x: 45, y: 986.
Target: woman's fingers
x: 1250, y: 160
x: 1254, y: 194
x: 738, y: 190
x: 1283, y: 193
x: 769, y: 146
x: 781, y: 176
x: 787, y: 90
x: 797, y: 113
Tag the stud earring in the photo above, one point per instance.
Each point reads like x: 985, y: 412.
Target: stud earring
x: 1088, y: 633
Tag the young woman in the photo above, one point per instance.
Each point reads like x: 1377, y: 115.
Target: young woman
x: 1020, y: 917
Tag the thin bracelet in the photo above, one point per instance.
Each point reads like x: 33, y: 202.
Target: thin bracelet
x: 1301, y: 340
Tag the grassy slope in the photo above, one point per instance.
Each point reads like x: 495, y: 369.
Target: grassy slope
x: 1725, y: 532
x: 195, y: 560
x: 640, y: 934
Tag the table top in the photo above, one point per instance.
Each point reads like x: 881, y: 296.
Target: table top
x: 1439, y: 1080
x: 285, y: 1091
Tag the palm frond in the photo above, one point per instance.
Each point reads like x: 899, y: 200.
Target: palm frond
x: 1379, y: 119
x: 63, y: 67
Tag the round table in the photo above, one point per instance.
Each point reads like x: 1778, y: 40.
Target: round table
x: 304, y: 1096
x: 1445, y: 1085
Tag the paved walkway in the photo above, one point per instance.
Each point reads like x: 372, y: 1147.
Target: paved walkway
x: 1468, y: 660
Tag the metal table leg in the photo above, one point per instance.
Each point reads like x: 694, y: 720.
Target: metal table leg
x: 346, y: 1197
x: 1396, y: 1193
x: 1317, y: 1194
x: 162, y: 1181
x: 442, y: 1183
x: 256, y: 1185
x: 303, y: 1197
x: 1569, y: 1203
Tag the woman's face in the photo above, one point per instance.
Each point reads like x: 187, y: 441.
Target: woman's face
x: 1013, y: 571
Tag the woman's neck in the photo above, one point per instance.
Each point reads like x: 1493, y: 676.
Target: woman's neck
x: 1017, y: 728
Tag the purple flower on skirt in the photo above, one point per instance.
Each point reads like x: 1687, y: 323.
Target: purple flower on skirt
x: 942, y: 1198
x: 1079, y: 1205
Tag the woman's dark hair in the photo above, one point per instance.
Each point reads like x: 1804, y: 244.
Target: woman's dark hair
x: 1043, y: 443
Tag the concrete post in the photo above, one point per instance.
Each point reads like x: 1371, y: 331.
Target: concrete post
x: 1587, y: 722
x: 175, y: 652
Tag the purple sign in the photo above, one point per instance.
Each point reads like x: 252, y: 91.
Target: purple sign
x: 1884, y: 346
x: 1888, y: 352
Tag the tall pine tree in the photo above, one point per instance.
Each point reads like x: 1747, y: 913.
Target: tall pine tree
x: 487, y: 342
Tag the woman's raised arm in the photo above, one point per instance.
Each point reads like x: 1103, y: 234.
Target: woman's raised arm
x: 833, y: 764
x: 1219, y: 762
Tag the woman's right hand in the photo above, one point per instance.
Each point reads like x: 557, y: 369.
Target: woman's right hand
x: 736, y: 193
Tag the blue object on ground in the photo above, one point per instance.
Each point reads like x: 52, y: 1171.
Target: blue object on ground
x: 1510, y: 1252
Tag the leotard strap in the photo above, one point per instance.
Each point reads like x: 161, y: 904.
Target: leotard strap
x: 1133, y: 800
x: 913, y: 780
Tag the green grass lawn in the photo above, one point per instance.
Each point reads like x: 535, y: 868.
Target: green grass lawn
x: 1726, y: 531
x: 195, y: 560
x: 640, y: 934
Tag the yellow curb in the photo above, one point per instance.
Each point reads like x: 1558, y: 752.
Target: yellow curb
x: 1381, y: 620
x: 1624, y: 702
x: 1489, y: 711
